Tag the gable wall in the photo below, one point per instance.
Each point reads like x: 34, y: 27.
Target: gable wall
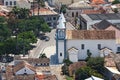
x: 117, y: 32
x: 22, y: 71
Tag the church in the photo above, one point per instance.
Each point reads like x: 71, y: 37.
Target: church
x: 74, y: 44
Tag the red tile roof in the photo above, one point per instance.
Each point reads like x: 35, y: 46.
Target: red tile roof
x: 90, y: 34
x: 98, y: 2
x: 23, y: 64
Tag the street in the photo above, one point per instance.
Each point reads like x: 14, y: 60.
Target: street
x: 41, y: 45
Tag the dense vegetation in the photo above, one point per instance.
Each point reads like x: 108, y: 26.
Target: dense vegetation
x: 19, y: 30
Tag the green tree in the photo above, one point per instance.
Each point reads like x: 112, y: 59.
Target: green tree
x: 96, y: 63
x: 43, y: 55
x: 115, y: 10
x: 115, y: 2
x: 63, y: 9
x: 4, y: 32
x: 66, y: 62
x: 85, y: 72
x: 88, y: 54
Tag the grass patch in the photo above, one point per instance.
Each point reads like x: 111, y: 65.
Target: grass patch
x: 69, y: 78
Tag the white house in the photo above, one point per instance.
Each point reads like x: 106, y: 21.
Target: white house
x: 24, y: 68
x: 74, y: 44
x: 10, y: 3
x: 19, y: 3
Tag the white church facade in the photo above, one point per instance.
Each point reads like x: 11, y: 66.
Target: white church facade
x: 74, y: 44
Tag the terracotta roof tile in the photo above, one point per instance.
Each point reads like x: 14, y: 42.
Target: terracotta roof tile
x: 35, y: 60
x: 44, y: 11
x: 90, y: 11
x: 98, y: 2
x: 23, y: 64
x: 90, y: 34
x: 46, y: 77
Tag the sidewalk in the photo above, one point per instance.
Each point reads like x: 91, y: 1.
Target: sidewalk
x: 50, y: 50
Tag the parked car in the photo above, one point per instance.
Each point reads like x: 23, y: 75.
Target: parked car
x: 47, y: 38
x: 43, y: 37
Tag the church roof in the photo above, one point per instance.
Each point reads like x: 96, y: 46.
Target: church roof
x: 61, y: 25
x: 61, y: 22
x: 62, y: 17
x: 90, y: 34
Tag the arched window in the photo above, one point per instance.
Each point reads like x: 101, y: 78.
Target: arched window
x: 6, y: 3
x: 72, y: 14
x: 10, y: 2
x: 60, y: 54
x: 61, y: 33
x: 14, y: 2
x: 76, y: 14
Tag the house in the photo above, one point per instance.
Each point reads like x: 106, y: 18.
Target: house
x: 23, y: 68
x: 34, y: 61
x: 49, y: 16
x: 86, y: 20
x: 19, y: 3
x: 75, y: 9
x: 112, y: 66
x: 26, y: 69
x: 63, y: 2
x: 75, y: 66
x: 10, y: 3
x: 24, y: 4
x: 76, y: 43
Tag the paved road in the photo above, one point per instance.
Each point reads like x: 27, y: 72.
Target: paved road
x: 41, y: 45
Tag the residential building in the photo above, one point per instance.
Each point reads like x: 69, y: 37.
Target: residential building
x: 50, y: 16
x: 86, y: 20
x: 74, y: 44
x: 19, y: 3
x: 10, y: 3
x: 35, y: 61
x: 112, y: 66
x: 77, y: 8
x: 26, y: 69
x: 108, y: 26
x: 24, y: 4
x: 64, y: 2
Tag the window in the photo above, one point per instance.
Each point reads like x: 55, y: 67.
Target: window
x: 99, y: 46
x: 60, y: 54
x: 10, y: 2
x: 14, y: 2
x: 6, y: 3
x: 72, y: 14
x: 82, y: 46
x: 54, y: 18
x: 76, y: 14
x: 118, y: 49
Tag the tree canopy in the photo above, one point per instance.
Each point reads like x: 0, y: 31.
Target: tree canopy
x: 85, y: 72
x: 96, y: 63
x: 19, y: 31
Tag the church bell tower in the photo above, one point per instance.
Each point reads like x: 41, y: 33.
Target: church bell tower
x: 60, y: 39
